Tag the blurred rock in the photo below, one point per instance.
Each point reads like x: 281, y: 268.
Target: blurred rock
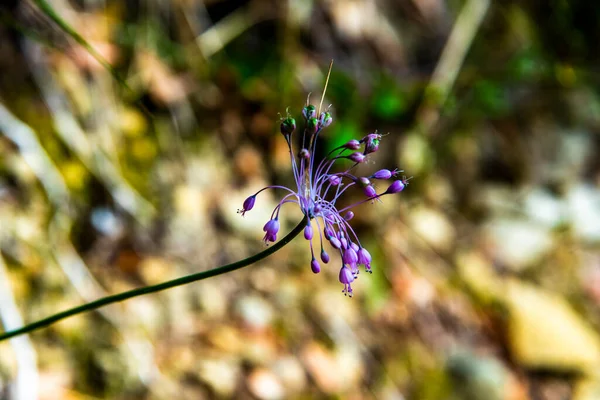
x: 333, y: 372
x: 434, y: 227
x: 265, y: 385
x: 476, y: 377
x: 256, y: 312
x: 221, y: 374
x: 542, y: 207
x: 515, y: 243
x: 584, y: 212
x: 290, y: 372
x: 544, y: 331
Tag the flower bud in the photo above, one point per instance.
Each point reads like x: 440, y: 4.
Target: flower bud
x: 312, y: 124
x: 335, y: 180
x: 324, y: 256
x: 369, y: 191
x: 395, y: 187
x: 352, y: 145
x: 304, y: 153
x: 309, y: 112
x: 357, y: 157
x: 335, y: 243
x: 308, y: 232
x: 314, y: 266
x: 349, y: 257
x: 248, y: 205
x: 382, y: 174
x: 371, y: 142
x: 349, y: 215
x: 288, y: 126
x: 325, y: 119
x: 271, y: 228
x: 355, y: 247
x: 363, y: 181
x: 363, y: 256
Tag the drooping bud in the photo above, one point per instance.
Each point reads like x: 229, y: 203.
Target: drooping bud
x: 363, y: 256
x: 314, y: 266
x: 309, y: 112
x: 325, y: 119
x: 346, y: 278
x: 317, y: 209
x: 395, y: 187
x: 248, y: 205
x: 271, y: 228
x: 328, y: 232
x: 343, y: 240
x: 335, y: 180
x: 324, y: 256
x: 349, y: 215
x: 335, y: 243
x: 352, y: 145
x: 357, y: 157
x: 382, y: 174
x: 304, y: 153
x: 308, y: 232
x: 288, y: 126
x: 355, y: 247
x: 349, y: 257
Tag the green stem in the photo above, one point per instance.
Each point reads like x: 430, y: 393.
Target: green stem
x: 155, y: 288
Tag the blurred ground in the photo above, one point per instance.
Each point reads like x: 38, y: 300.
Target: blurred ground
x: 486, y: 280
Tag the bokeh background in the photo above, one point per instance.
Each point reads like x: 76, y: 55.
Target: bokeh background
x: 486, y: 280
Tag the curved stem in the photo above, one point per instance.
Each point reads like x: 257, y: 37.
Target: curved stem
x: 155, y: 288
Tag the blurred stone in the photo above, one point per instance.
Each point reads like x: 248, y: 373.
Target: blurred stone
x: 255, y: 311
x: 516, y: 243
x: 433, y: 227
x: 545, y: 332
x: 291, y: 374
x: 333, y: 372
x: 248, y: 162
x: 415, y: 154
x: 477, y: 378
x: 587, y: 389
x: 584, y: 212
x: 542, y: 207
x: 220, y: 374
x: 265, y: 385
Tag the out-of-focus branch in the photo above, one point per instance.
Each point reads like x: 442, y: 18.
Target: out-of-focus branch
x: 75, y: 138
x: 443, y: 78
x: 26, y: 383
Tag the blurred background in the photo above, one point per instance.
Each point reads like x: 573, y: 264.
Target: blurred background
x: 486, y: 280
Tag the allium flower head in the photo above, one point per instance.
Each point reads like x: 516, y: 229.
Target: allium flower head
x: 318, y: 187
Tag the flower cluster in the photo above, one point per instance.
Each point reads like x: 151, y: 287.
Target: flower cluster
x: 318, y: 189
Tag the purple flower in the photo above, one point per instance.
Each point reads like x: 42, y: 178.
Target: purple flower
x: 319, y: 186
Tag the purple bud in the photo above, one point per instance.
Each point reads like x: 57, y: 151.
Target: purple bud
x: 343, y: 242
x: 363, y: 256
x: 357, y: 157
x: 335, y: 180
x: 354, y: 247
x: 324, y: 256
x: 304, y: 154
x: 314, y: 266
x: 325, y: 119
x: 369, y: 191
x: 382, y: 174
x: 364, y: 181
x: 349, y: 215
x: 317, y: 209
x: 271, y: 228
x: 309, y: 111
x: 395, y: 187
x: 371, y: 142
x: 352, y: 145
x: 349, y: 257
x: 335, y: 243
x: 346, y: 278
x: 328, y: 232
x: 248, y: 204
x: 308, y: 232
